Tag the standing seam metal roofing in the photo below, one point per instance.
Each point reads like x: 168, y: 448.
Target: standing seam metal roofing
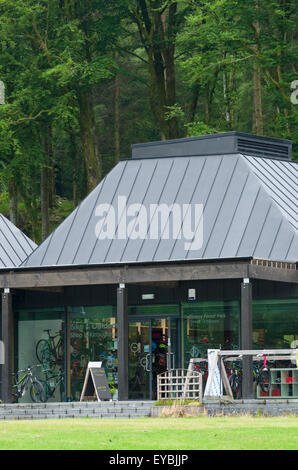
x: 250, y: 210
x: 280, y: 184
x: 15, y: 246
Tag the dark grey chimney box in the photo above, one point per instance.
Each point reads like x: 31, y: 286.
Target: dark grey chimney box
x: 217, y: 144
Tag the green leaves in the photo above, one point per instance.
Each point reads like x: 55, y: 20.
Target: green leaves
x: 50, y: 50
x: 184, y: 67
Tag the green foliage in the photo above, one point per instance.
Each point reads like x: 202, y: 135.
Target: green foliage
x: 194, y: 128
x: 199, y: 128
x: 4, y: 203
x: 52, y: 51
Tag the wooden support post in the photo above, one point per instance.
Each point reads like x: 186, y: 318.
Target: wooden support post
x: 7, y: 338
x: 67, y: 357
x: 246, y: 338
x: 188, y: 375
x: 225, y: 379
x: 122, y: 341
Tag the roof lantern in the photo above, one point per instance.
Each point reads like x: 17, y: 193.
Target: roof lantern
x: 216, y: 144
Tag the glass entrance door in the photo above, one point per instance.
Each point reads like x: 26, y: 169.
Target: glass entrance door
x: 152, y: 349
x: 138, y: 360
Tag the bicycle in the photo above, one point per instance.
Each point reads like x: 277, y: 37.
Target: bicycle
x: 37, y: 392
x: 51, y: 382
x: 262, y: 375
x: 78, y: 367
x: 50, y: 351
x: 235, y: 379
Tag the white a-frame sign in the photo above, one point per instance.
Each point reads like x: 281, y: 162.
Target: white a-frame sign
x: 95, y: 386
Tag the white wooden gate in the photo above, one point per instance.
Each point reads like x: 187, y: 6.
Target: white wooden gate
x: 180, y: 384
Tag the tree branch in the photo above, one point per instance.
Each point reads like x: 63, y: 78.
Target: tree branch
x: 32, y: 118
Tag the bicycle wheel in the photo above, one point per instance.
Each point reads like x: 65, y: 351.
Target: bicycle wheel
x: 232, y: 380
x: 37, y: 392
x: 239, y: 386
x: 47, y: 389
x: 45, y: 355
x: 236, y: 384
x: 41, y: 346
x: 264, y: 380
x: 60, y: 351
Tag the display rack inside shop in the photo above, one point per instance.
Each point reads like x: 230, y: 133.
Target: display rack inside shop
x: 283, y: 384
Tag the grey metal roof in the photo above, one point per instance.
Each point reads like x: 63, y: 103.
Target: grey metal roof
x: 250, y: 210
x: 15, y: 246
x: 280, y: 181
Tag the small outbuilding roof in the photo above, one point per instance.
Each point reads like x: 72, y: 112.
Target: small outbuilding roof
x: 15, y: 246
x: 249, y: 206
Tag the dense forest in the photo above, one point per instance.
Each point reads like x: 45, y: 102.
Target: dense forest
x: 85, y: 79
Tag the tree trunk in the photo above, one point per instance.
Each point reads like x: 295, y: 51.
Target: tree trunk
x: 194, y: 102
x: 257, y: 98
x: 158, y: 34
x: 52, y: 189
x: 173, y: 129
x: 73, y: 147
x: 44, y: 202
x: 257, y: 83
x: 88, y: 138
x: 226, y: 94
x: 169, y: 27
x: 159, y: 79
x: 13, y: 202
x: 207, y: 104
x: 45, y: 184
x: 116, y: 116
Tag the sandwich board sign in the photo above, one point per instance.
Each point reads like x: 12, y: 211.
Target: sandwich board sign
x: 95, y: 385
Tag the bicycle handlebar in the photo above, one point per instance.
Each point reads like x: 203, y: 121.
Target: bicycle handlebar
x: 56, y: 333
x: 27, y: 368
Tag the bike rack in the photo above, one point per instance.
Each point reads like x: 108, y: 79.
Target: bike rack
x: 258, y: 354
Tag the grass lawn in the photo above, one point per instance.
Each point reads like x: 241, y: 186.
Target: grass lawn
x: 200, y: 433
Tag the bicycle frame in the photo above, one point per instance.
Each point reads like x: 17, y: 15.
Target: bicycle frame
x: 50, y: 350
x: 54, y: 345
x: 21, y: 384
x: 57, y: 379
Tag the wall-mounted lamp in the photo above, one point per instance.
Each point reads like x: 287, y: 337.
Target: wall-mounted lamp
x: 191, y: 294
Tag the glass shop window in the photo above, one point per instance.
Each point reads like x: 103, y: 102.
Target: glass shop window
x: 275, y: 324
x: 93, y: 337
x: 208, y: 325
x: 40, y: 343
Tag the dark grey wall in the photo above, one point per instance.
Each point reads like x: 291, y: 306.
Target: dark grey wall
x: 106, y: 295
